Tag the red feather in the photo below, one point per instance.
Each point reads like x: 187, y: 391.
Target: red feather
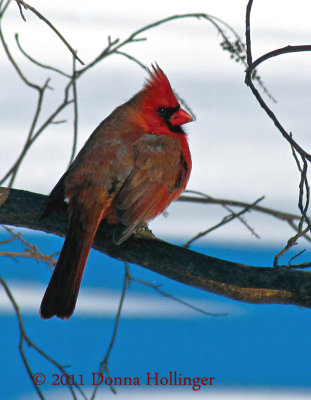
x: 135, y: 163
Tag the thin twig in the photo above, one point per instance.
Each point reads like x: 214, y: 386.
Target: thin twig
x: 75, y: 112
x: 103, y: 367
x: 288, y: 217
x: 132, y: 58
x: 290, y: 243
x: 4, y: 8
x: 16, y: 67
x: 278, y: 52
x: 39, y: 64
x: 38, y: 14
x: 224, y: 221
x: 33, y: 135
x: 303, y: 186
x: 14, y: 254
x: 25, y: 338
x: 297, y: 228
x: 248, y: 81
x: 296, y: 256
x: 31, y: 250
x: 236, y: 203
x: 14, y: 169
x: 298, y: 266
x: 3, y: 242
x: 170, y: 296
x: 226, y: 207
x: 21, y: 11
x: 114, y: 47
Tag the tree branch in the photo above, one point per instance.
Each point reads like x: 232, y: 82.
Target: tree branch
x: 248, y: 80
x: 236, y: 281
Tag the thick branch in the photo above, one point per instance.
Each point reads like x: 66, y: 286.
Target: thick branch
x: 234, y: 280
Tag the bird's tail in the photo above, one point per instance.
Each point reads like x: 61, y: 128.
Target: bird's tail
x: 62, y: 292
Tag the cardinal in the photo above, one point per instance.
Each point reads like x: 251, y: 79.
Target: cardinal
x: 135, y: 163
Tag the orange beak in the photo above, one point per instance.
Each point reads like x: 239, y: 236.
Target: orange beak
x: 180, y: 117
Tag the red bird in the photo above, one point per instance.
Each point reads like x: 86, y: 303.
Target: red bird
x: 135, y: 163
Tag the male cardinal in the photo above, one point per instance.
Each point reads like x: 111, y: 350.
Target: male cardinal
x: 135, y: 163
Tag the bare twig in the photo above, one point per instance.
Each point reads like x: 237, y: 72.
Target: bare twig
x: 223, y: 204
x: 170, y: 296
x: 21, y: 11
x: 31, y: 250
x: 298, y: 266
x: 42, y: 17
x: 25, y: 338
x: 236, y: 203
x: 37, y: 63
x: 75, y: 112
x: 278, y: 52
x: 15, y: 65
x: 14, y: 169
x: 14, y: 254
x: 103, y: 367
x: 34, y: 134
x: 248, y: 81
x: 288, y: 217
x: 3, y: 8
x: 303, y: 185
x: 224, y: 221
x: 132, y: 58
x: 7, y: 241
x: 296, y: 256
x: 290, y: 243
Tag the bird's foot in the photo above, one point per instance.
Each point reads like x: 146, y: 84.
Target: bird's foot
x: 143, y: 232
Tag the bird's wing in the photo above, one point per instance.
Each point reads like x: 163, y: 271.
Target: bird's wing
x: 159, y: 175
x: 102, y: 165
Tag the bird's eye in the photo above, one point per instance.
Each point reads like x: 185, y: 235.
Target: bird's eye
x: 162, y: 111
x: 167, y: 112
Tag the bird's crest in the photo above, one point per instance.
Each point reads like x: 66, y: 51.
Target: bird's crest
x: 158, y: 88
